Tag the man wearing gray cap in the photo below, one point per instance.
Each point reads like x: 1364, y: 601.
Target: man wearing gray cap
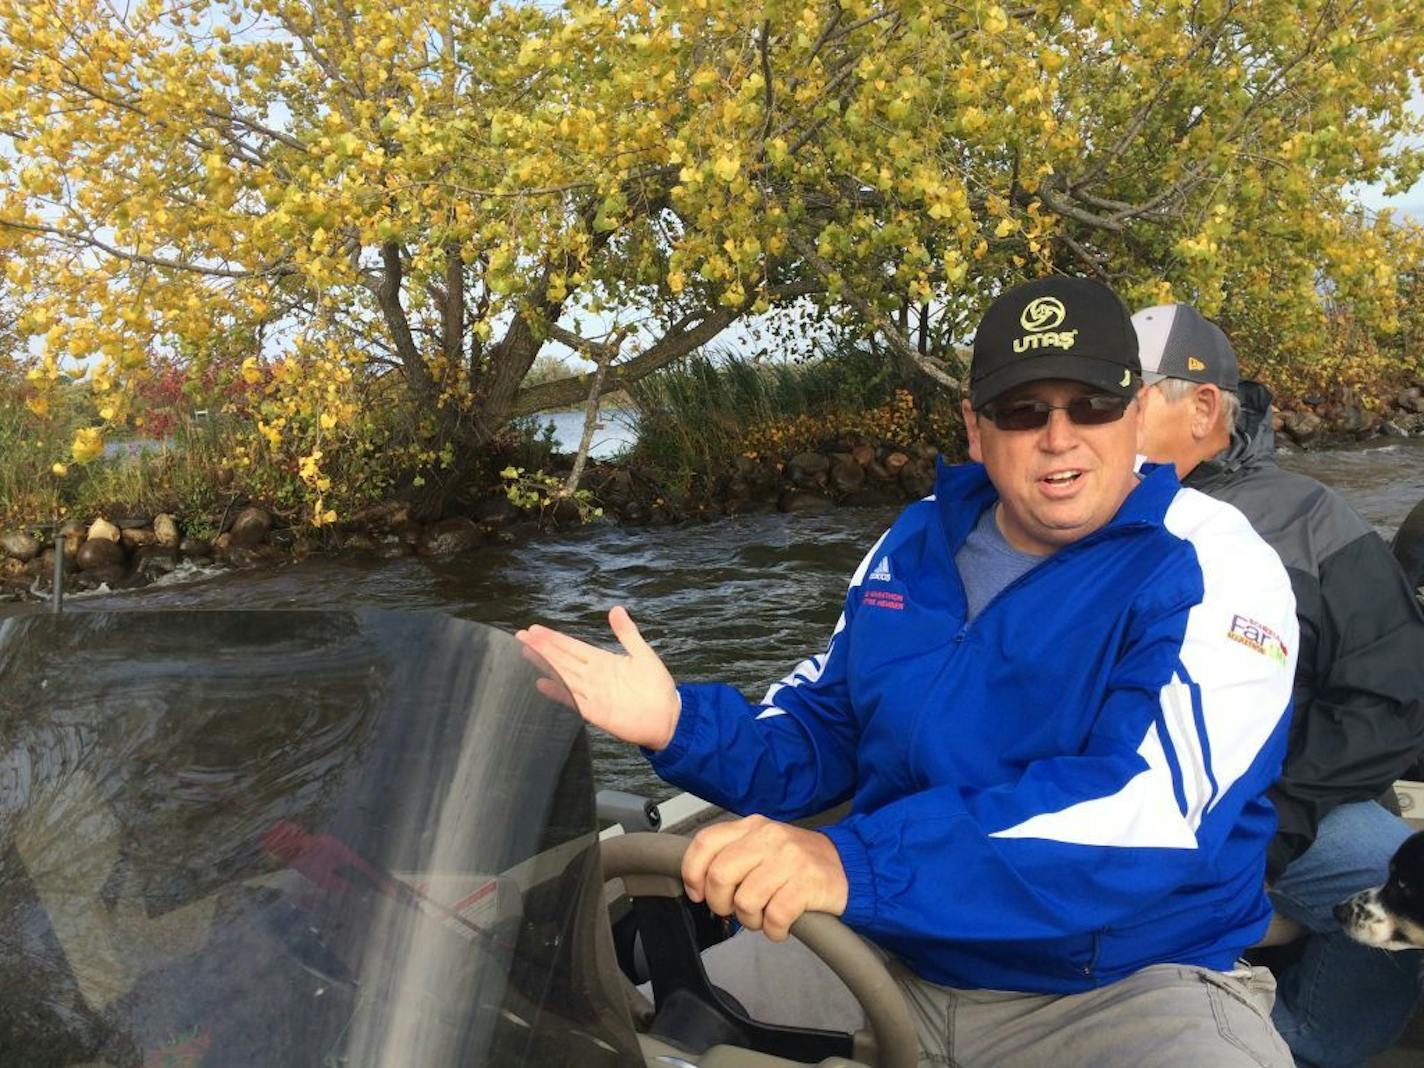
x: 1359, y: 688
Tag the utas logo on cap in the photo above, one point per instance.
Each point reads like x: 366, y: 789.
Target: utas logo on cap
x: 1042, y: 314
x: 1039, y: 318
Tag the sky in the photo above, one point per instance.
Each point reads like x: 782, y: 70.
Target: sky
x: 1410, y: 202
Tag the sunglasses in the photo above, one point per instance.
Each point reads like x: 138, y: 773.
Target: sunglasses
x: 1092, y: 410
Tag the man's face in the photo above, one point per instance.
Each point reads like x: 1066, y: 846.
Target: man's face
x: 1063, y: 481
x: 1166, y: 425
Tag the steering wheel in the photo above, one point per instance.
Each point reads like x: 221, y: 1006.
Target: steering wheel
x: 650, y: 866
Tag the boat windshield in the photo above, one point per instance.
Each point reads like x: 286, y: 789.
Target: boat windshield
x: 294, y: 838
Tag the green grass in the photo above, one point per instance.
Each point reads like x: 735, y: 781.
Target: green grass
x: 181, y: 474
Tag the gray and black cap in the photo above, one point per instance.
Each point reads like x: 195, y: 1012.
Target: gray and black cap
x: 1177, y: 341
x: 1054, y: 327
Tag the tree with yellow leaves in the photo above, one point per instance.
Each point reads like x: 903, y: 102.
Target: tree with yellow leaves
x: 324, y: 197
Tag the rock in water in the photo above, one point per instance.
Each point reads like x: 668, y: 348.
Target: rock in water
x: 137, y: 537
x: 847, y: 476
x: 22, y: 547
x: 101, y: 554
x: 191, y: 547
x: 807, y: 468
x: 154, y: 561
x: 917, y: 479
x: 803, y: 503
x: 448, y: 536
x: 165, y: 531
x: 251, y: 526
x: 359, y: 542
x: 1303, y: 427
x: 103, y: 529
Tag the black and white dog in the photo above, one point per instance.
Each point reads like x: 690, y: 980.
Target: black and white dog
x: 1391, y: 916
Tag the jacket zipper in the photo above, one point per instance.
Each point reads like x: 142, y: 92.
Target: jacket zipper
x: 1091, y: 539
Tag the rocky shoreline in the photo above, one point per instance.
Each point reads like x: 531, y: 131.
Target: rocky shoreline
x: 127, y: 550
x: 1315, y: 419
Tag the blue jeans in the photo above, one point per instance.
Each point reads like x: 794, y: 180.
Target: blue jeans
x: 1342, y: 1002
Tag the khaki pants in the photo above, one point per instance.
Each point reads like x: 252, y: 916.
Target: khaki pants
x: 1164, y: 1016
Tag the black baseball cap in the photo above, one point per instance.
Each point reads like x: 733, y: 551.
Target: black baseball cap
x: 1054, y: 327
x: 1177, y: 341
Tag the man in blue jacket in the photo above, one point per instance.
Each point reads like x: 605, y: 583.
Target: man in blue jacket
x: 1056, y: 697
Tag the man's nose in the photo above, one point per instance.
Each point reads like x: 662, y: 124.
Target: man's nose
x: 1060, y: 434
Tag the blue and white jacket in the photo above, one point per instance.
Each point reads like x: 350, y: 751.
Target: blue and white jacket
x: 1068, y: 789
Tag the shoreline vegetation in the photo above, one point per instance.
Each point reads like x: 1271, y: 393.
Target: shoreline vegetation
x: 360, y: 239
x: 715, y: 436
x: 363, y: 242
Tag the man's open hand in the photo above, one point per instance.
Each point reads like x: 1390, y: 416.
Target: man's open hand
x: 764, y: 872
x: 630, y: 695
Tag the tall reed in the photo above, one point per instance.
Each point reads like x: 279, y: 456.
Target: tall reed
x: 691, y: 419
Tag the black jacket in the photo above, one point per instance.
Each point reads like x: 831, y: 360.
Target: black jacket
x: 1359, y: 689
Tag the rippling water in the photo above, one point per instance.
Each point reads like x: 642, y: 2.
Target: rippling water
x: 741, y: 600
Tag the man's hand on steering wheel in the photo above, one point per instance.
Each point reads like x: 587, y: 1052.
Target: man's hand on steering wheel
x: 765, y: 873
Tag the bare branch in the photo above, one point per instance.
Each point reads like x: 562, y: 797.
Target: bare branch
x: 826, y: 31
x: 590, y: 418
x: 277, y: 268
x: 899, y: 343
x: 256, y: 127
x: 764, y: 47
x: 596, y: 350
x: 1088, y: 259
x: 1139, y: 119
x: 673, y: 345
x: 1060, y: 205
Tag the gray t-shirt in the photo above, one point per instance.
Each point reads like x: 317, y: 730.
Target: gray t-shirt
x: 987, y: 562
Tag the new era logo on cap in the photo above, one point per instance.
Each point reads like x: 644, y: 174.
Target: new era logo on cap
x: 1177, y: 341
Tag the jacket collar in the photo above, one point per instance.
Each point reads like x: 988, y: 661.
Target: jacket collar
x: 963, y: 491
x: 1253, y: 439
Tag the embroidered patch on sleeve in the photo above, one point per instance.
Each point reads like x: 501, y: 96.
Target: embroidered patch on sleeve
x: 1257, y: 637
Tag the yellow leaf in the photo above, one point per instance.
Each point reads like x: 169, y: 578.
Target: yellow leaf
x: 727, y: 168
x: 88, y: 444
x: 39, y: 404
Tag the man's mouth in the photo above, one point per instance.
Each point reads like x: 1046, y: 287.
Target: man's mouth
x: 1063, y: 478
